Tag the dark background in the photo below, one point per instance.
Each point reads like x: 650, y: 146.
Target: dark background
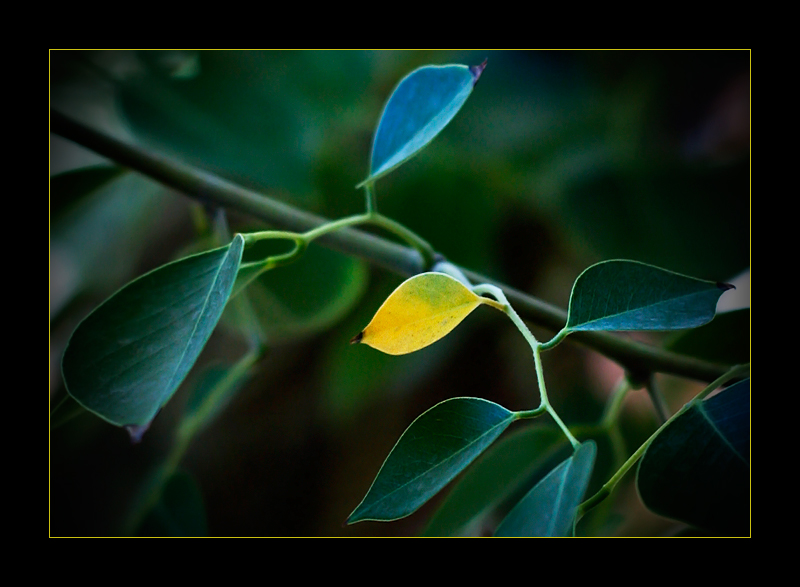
x: 559, y: 159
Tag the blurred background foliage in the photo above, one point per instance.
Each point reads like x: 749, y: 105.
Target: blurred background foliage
x: 559, y: 159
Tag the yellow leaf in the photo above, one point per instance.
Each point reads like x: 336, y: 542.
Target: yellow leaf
x: 419, y: 312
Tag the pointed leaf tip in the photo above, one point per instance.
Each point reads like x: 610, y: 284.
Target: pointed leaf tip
x: 423, y: 103
x: 136, y: 432
x: 476, y: 71
x: 357, y: 338
x: 629, y: 295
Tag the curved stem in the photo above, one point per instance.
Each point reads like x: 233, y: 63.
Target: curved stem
x: 210, y: 188
x: 544, y: 402
x: 733, y: 373
x: 410, y: 237
x: 555, y: 341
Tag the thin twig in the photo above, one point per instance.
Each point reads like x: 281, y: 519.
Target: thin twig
x: 405, y: 261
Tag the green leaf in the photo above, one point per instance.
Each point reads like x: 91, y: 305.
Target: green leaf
x: 508, y: 467
x: 628, y: 295
x: 423, y: 103
x: 437, y: 446
x: 698, y: 469
x: 127, y: 358
x: 550, y: 507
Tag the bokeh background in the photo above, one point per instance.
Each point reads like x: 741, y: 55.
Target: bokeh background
x: 559, y: 159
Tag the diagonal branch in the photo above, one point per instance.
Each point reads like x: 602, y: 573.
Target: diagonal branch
x: 211, y: 189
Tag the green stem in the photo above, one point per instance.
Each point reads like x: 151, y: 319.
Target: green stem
x: 335, y: 225
x: 209, y: 188
x: 544, y: 402
x: 411, y: 238
x: 372, y: 204
x: 734, y: 373
x: 369, y: 218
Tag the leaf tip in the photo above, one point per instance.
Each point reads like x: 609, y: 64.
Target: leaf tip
x: 476, y: 71
x: 357, y: 338
x: 136, y: 431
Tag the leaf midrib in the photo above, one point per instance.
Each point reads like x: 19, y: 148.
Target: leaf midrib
x: 199, y: 318
x: 505, y: 421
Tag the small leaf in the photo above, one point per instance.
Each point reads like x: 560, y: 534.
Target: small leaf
x: 628, y: 295
x: 127, y: 358
x: 422, y: 309
x: 423, y: 103
x: 550, y: 507
x: 698, y: 469
x: 437, y: 446
x: 508, y: 467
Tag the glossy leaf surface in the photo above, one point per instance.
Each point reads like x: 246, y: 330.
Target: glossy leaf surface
x: 628, y: 295
x: 422, y: 309
x: 437, y: 446
x: 423, y: 103
x: 127, y: 358
x: 504, y: 469
x: 550, y: 507
x: 697, y: 469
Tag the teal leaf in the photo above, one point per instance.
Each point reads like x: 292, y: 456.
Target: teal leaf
x: 628, y: 295
x: 423, y: 103
x: 127, y: 358
x: 508, y: 467
x: 437, y: 446
x: 549, y: 509
x: 698, y: 469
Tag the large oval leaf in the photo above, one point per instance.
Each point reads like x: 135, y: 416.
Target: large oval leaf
x: 422, y: 309
x: 698, y: 469
x: 127, y: 358
x: 437, y: 446
x: 628, y: 295
x: 550, y: 507
x: 507, y: 468
x: 423, y: 103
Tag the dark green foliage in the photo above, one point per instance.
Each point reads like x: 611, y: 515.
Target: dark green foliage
x: 698, y: 469
x: 127, y: 358
x: 556, y: 161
